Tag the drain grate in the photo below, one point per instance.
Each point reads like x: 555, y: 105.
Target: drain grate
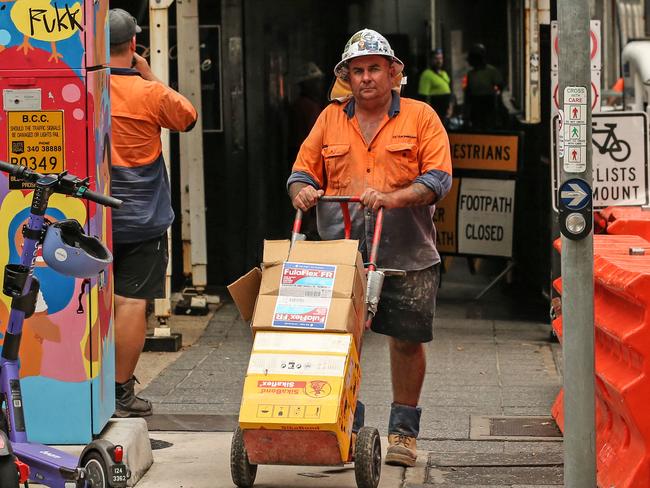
x: 524, y: 426
x: 192, y: 422
x: 453, y: 469
x: 514, y: 428
x: 495, y: 476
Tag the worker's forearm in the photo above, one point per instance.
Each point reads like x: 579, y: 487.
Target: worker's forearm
x: 415, y: 195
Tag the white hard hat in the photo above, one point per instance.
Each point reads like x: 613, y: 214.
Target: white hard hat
x: 366, y: 42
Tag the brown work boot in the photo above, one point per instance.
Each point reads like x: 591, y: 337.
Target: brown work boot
x: 402, y: 450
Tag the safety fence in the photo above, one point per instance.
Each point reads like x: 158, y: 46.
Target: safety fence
x: 632, y: 221
x: 622, y: 347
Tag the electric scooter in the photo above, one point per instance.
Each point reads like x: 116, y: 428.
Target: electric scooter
x: 100, y: 464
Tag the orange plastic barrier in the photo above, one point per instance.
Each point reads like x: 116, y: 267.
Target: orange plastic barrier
x: 622, y: 342
x: 633, y: 221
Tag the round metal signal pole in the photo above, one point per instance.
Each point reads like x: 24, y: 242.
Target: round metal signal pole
x: 576, y: 223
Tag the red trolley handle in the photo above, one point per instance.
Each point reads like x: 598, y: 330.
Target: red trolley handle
x: 343, y: 201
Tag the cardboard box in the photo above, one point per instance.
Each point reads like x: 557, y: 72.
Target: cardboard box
x: 300, y: 382
x: 275, y: 313
x: 318, y: 285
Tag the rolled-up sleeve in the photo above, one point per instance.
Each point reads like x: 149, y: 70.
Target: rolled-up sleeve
x: 439, y: 182
x: 434, y: 154
x: 302, y: 177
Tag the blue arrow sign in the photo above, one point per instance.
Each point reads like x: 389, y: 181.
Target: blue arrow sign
x: 575, y: 194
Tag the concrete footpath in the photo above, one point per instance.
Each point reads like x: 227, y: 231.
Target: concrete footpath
x: 492, y: 375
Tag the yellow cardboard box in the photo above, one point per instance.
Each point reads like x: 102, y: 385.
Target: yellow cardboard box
x: 302, y: 381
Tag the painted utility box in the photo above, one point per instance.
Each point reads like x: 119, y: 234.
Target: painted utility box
x: 55, y: 116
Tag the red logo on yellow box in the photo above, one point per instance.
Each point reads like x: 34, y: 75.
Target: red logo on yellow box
x: 318, y: 389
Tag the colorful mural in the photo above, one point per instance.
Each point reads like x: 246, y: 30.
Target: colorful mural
x: 61, y: 120
x: 72, y: 32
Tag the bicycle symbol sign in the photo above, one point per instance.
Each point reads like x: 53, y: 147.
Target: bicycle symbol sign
x: 617, y: 149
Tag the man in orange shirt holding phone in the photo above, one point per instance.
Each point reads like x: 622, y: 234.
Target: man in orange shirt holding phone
x: 140, y: 106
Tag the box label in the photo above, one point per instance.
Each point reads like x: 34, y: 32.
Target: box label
x: 302, y: 341
x: 305, y: 295
x: 296, y: 364
x: 35, y: 140
x: 313, y: 388
x: 301, y: 313
x: 307, y: 280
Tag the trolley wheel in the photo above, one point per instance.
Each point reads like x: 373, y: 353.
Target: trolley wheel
x: 242, y: 472
x: 96, y: 470
x: 367, y: 458
x: 9, y: 476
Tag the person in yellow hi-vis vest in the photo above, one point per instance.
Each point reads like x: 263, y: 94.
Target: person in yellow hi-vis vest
x: 435, y: 86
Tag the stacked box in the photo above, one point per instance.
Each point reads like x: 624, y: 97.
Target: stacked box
x: 316, y: 286
x: 300, y: 389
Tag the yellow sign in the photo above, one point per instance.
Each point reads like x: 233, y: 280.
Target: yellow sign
x: 445, y: 220
x: 491, y: 152
x: 36, y: 140
x: 44, y: 21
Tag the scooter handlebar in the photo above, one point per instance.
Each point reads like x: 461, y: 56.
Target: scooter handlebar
x: 101, y: 199
x: 12, y: 169
x: 73, y: 186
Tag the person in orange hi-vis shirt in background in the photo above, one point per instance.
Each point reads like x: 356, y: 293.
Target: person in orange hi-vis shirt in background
x: 140, y: 105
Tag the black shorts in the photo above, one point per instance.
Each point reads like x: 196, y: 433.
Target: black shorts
x: 408, y: 305
x: 139, y: 268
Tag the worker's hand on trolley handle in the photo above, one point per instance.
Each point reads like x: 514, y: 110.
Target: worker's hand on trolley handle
x: 306, y: 198
x: 374, y: 199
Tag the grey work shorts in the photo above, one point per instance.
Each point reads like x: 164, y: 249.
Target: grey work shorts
x: 408, y: 305
x: 139, y: 268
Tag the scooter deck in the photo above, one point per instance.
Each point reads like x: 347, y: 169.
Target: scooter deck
x: 45, y: 463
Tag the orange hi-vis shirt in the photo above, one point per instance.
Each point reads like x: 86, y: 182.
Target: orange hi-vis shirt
x: 139, y: 109
x: 410, y: 146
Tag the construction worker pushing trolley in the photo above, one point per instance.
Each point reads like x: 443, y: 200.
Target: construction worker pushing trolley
x: 393, y: 152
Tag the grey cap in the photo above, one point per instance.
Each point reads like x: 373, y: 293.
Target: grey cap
x: 123, y: 26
